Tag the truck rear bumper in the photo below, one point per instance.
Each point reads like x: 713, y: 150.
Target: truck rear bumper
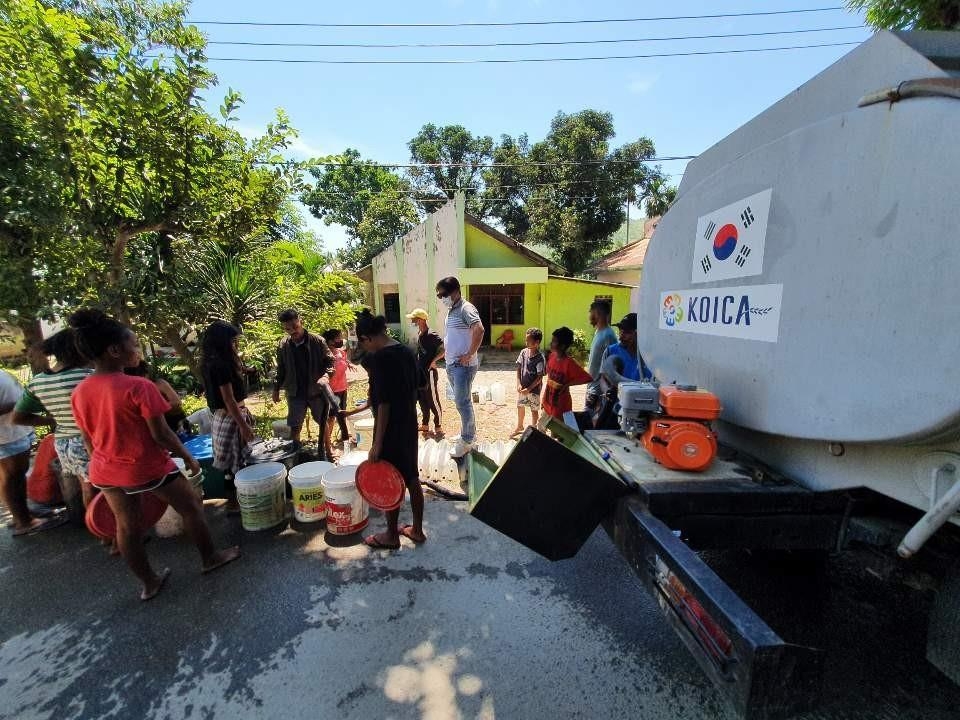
x: 760, y: 674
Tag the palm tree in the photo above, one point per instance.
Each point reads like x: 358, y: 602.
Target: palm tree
x: 660, y: 197
x: 297, y: 259
x: 235, y: 291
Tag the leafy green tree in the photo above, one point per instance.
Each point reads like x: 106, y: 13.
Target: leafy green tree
x: 371, y: 202
x: 43, y: 57
x: 117, y: 177
x: 328, y: 299
x: 571, y: 188
x: 910, y: 14
x: 452, y: 159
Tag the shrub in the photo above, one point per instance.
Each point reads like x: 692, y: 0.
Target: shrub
x: 178, y: 375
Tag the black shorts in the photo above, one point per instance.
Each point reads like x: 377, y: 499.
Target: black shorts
x: 146, y: 487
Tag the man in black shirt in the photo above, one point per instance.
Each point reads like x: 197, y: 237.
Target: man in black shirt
x: 304, y: 367
x: 429, y: 351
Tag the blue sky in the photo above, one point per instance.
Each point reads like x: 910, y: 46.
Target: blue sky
x: 684, y: 104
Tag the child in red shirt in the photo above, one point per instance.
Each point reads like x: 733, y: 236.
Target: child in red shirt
x: 562, y: 372
x: 121, y: 418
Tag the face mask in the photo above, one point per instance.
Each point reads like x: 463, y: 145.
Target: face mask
x: 447, y: 302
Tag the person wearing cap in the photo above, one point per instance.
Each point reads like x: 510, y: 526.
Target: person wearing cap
x: 429, y: 350
x: 622, y: 361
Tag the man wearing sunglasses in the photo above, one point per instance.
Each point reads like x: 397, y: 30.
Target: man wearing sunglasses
x: 464, y: 336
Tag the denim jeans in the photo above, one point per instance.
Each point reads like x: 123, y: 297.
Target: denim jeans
x: 461, y: 378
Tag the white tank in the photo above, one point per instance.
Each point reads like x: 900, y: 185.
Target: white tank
x: 808, y: 273
x: 851, y: 275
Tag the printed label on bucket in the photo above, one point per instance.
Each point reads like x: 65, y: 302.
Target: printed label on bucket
x: 261, y: 510
x: 309, y: 504
x: 347, y: 518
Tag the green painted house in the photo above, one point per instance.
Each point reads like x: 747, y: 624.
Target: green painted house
x: 513, y: 287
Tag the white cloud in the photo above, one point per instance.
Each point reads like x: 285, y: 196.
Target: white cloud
x: 642, y: 84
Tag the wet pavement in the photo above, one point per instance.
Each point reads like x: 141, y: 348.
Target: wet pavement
x: 469, y: 625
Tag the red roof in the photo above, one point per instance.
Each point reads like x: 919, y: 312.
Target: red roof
x: 629, y: 257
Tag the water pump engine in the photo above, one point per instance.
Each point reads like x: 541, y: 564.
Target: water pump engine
x: 673, y: 422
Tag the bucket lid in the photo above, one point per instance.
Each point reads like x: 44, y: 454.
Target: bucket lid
x: 308, y: 474
x: 381, y: 484
x: 201, y: 447
x: 260, y: 472
x: 340, y: 476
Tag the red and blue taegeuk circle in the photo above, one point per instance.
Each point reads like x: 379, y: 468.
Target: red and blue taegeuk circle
x: 725, y: 242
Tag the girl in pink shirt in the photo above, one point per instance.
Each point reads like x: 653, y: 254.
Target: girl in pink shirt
x: 338, y: 384
x: 121, y: 418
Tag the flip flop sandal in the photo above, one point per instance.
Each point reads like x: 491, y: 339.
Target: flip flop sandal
x: 372, y: 542
x: 407, y: 532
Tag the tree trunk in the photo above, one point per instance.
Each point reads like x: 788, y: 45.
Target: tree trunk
x: 172, y: 336
x: 32, y: 337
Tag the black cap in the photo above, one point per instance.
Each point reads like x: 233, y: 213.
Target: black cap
x: 629, y: 322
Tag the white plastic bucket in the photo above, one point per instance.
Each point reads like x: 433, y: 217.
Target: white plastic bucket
x: 195, y: 480
x: 346, y: 509
x: 309, y: 500
x: 498, y: 394
x: 364, y: 431
x: 261, y: 493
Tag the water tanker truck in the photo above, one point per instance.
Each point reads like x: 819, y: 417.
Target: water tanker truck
x: 807, y: 276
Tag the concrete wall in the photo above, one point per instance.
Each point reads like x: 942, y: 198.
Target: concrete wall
x: 413, y: 264
x: 483, y: 251
x: 567, y: 302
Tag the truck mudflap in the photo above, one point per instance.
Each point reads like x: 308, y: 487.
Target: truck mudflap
x: 760, y: 674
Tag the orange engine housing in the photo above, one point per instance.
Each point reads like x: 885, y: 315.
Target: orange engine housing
x: 680, y: 444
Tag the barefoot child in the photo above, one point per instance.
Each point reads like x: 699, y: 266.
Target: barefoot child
x: 121, y: 418
x: 530, y: 369
x: 393, y: 395
x: 562, y: 372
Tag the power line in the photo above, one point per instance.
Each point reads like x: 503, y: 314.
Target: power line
x: 251, y: 43
x: 483, y: 166
x: 484, y: 61
x: 587, y: 21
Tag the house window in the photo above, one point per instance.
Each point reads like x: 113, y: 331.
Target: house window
x: 609, y: 299
x: 498, y: 304
x: 391, y: 307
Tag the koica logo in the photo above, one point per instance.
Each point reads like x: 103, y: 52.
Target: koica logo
x: 749, y: 313
x: 672, y: 309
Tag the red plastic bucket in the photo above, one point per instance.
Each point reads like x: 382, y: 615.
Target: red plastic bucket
x: 102, y: 523
x: 381, y: 484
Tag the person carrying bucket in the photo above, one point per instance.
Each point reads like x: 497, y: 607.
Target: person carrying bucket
x: 121, y: 419
x: 393, y: 395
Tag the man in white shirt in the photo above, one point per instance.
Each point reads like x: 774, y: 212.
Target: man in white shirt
x: 464, y: 334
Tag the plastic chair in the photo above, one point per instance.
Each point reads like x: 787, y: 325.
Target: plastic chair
x: 505, y: 341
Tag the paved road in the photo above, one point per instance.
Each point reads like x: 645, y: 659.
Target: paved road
x: 470, y: 625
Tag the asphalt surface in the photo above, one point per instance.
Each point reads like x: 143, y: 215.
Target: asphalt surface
x: 469, y: 625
